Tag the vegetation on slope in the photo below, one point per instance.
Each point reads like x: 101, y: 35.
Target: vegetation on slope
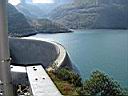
x: 64, y: 79
x: 20, y: 26
x: 99, y: 84
x: 91, y: 14
x: 81, y: 14
x: 48, y: 26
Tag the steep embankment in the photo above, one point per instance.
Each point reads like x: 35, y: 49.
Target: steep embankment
x: 92, y: 14
x: 18, y: 24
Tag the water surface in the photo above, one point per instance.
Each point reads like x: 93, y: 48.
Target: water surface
x: 90, y: 50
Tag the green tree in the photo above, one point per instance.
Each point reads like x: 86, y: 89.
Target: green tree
x: 100, y: 84
x: 70, y: 76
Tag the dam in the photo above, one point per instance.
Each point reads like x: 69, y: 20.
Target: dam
x: 31, y: 58
x: 31, y: 51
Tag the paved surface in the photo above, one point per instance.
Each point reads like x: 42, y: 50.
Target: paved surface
x: 41, y: 84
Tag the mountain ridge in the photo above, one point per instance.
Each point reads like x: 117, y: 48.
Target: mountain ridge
x: 20, y: 26
x: 110, y: 14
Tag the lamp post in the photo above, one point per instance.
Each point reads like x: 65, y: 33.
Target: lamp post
x: 5, y: 74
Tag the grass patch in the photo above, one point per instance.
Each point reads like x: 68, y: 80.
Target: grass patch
x: 65, y: 87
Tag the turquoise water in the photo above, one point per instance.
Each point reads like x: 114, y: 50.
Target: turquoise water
x: 90, y: 50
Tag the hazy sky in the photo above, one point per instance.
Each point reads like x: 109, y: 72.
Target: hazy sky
x: 15, y: 2
x: 42, y: 1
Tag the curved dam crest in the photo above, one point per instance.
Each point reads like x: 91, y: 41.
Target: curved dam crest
x: 30, y: 51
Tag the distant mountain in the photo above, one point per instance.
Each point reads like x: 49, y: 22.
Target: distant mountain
x: 18, y: 24
x: 48, y: 26
x: 31, y: 10
x: 36, y: 11
x: 91, y: 14
x: 39, y: 10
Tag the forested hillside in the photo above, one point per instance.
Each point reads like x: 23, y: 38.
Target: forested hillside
x: 19, y: 25
x: 91, y: 14
x: 48, y: 26
x: 74, y: 14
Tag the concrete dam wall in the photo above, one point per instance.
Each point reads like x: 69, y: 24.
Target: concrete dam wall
x: 30, y: 52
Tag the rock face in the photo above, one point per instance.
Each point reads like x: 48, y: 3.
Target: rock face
x: 18, y: 24
x: 91, y: 14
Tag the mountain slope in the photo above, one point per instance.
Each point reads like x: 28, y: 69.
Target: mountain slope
x: 18, y: 25
x: 48, y: 26
x: 39, y: 10
x: 91, y: 14
x: 31, y: 10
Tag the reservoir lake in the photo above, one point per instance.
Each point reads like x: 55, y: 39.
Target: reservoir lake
x: 90, y: 50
